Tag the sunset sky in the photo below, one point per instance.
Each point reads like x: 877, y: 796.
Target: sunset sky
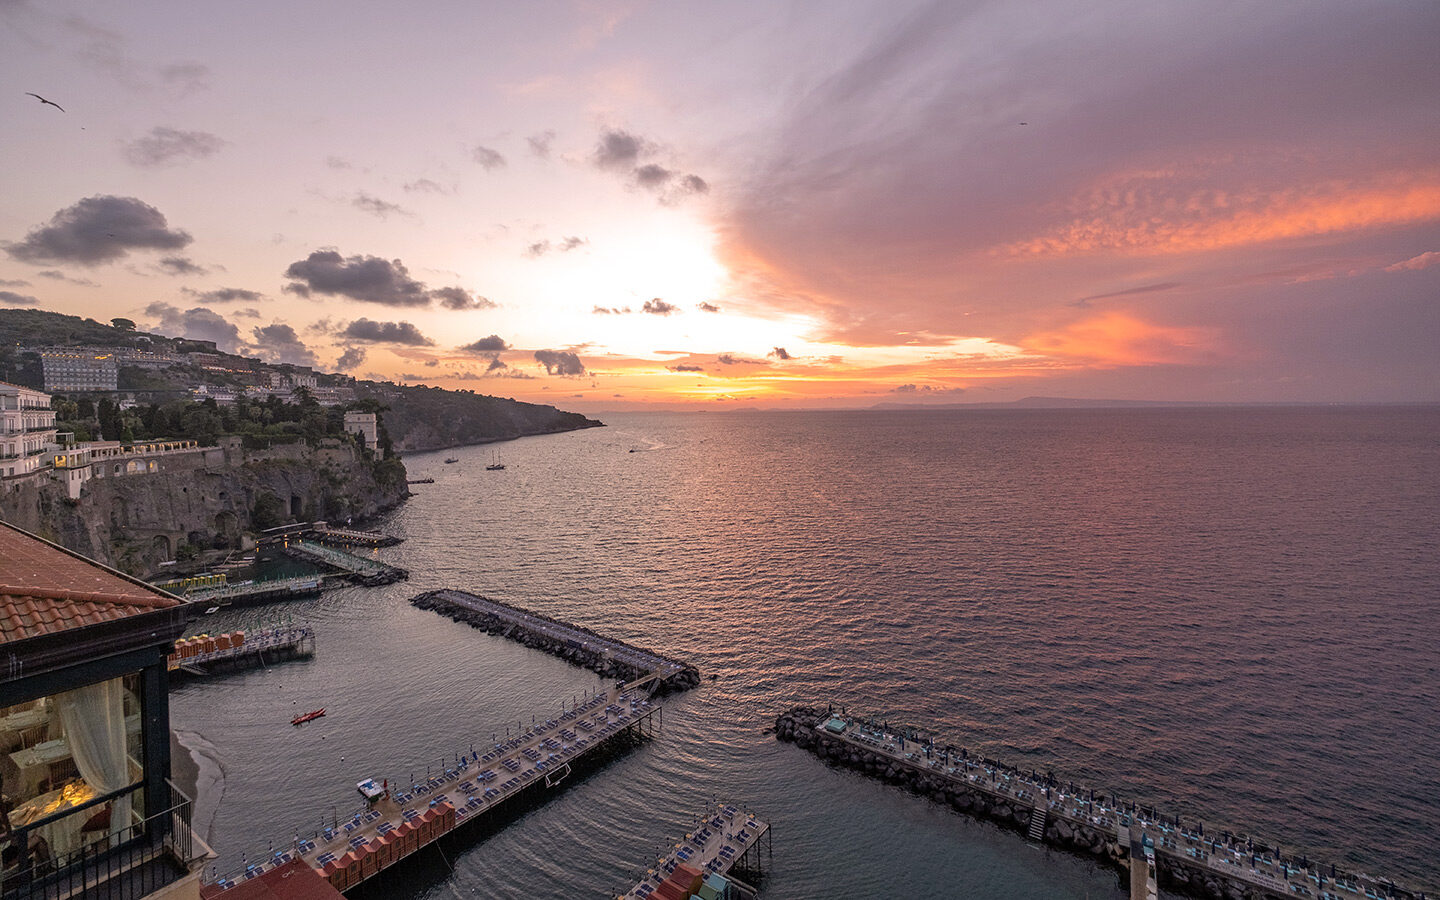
x: 611, y: 205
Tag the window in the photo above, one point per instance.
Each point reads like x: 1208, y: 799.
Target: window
x: 70, y: 771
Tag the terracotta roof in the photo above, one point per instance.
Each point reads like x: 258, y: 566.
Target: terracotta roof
x: 45, y: 589
x: 293, y: 881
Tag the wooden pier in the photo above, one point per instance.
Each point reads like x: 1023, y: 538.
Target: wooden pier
x: 207, y: 654
x: 398, y: 820
x: 1078, y: 819
x: 726, y: 839
x: 357, y: 569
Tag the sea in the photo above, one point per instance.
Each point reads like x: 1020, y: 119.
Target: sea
x: 1232, y: 614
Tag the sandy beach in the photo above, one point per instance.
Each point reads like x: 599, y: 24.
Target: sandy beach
x: 195, y: 768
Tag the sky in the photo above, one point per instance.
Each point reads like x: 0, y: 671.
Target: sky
x: 705, y: 205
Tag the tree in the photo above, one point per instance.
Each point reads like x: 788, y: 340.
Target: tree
x: 123, y: 324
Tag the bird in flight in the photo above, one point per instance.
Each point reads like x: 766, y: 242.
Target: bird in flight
x: 43, y: 100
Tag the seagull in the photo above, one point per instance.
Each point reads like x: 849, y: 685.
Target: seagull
x: 43, y: 100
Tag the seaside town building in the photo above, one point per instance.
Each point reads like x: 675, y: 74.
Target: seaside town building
x: 79, y: 370
x: 27, y: 428
x: 86, y: 803
x: 365, y: 426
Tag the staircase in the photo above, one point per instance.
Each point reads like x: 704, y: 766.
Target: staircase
x: 1037, y: 823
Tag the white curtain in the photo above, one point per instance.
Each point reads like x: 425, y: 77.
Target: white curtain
x: 94, y: 719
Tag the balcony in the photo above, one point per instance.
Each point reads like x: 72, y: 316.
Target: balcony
x: 128, y: 863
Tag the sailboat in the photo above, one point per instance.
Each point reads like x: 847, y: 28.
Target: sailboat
x: 497, y: 465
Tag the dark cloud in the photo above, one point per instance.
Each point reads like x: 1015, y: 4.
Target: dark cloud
x: 179, y: 265
x: 186, y: 77
x: 369, y: 279
x: 560, y: 362
x: 54, y: 275
x: 225, y: 295
x: 658, y: 307
x: 707, y: 307
x: 385, y: 333
x: 492, y: 344
x: 278, y: 343
x: 487, y: 158
x: 98, y: 230
x: 1130, y: 292
x: 927, y: 390
x: 432, y: 363
x: 14, y: 282
x: 540, y: 143
x: 653, y: 176
x: 425, y: 185
x: 611, y: 310
x: 169, y: 146
x: 730, y: 359
x: 684, y: 368
x: 566, y: 244
x: 496, y: 363
x: 338, y: 162
x: 380, y: 209
x: 10, y: 298
x: 459, y: 298
x: 248, y: 312
x: 780, y: 353
x: 350, y: 359
x: 197, y: 323
x: 619, y: 151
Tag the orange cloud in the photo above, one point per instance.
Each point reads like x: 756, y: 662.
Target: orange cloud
x: 1137, y: 221
x: 1118, y: 339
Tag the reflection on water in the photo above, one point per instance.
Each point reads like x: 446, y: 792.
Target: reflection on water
x: 1225, y: 612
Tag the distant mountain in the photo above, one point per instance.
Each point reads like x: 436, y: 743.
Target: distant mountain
x: 1049, y: 403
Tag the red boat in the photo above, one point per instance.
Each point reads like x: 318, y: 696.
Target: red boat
x: 313, y: 714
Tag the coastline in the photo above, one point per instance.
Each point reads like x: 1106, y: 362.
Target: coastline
x: 196, y: 770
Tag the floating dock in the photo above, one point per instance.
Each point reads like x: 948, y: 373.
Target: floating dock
x: 725, y: 840
x: 1185, y: 857
x: 397, y: 821
x: 246, y: 593
x: 356, y: 569
x: 609, y: 657
x: 205, y: 654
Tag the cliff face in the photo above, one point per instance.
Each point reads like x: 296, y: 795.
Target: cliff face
x: 425, y: 418
x: 204, y: 499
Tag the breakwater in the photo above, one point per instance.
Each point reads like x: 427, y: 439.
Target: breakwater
x: 1220, y: 866
x: 608, y: 657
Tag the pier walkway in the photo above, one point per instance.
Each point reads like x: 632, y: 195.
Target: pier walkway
x: 356, y: 568
x: 1226, y: 857
x: 246, y: 592
x: 724, y: 839
x: 399, y: 820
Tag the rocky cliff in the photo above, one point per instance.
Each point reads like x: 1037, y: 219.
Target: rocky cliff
x: 204, y: 501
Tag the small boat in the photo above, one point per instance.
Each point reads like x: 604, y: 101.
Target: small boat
x: 495, y: 466
x: 452, y: 459
x: 306, y: 717
x: 212, y: 610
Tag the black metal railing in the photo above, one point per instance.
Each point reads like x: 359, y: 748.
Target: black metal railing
x: 124, y: 864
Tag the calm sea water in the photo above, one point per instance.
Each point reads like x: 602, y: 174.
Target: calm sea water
x: 1231, y: 613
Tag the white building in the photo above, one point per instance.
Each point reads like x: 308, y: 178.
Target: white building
x: 365, y: 425
x: 27, y: 430
x: 79, y: 370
